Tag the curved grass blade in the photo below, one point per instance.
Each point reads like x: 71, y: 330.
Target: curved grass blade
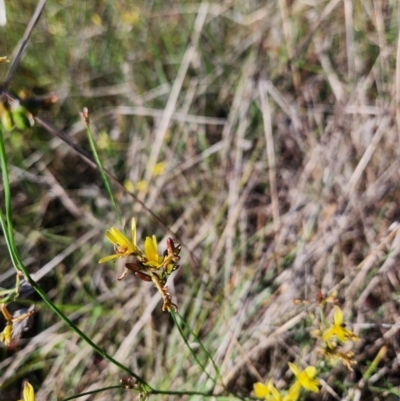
x: 160, y: 392
x: 205, y: 350
x: 203, y: 368
x: 99, y: 390
x: 6, y: 188
x: 85, y: 119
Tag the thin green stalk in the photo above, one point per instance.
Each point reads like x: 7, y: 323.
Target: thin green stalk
x: 6, y: 186
x: 174, y: 315
x: 9, y: 241
x: 189, y: 393
x: 99, y: 390
x: 205, y: 350
x: 154, y: 392
x: 85, y: 118
x: 203, y: 368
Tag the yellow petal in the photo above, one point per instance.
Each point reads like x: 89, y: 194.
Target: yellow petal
x: 155, y: 245
x: 28, y: 392
x: 6, y: 334
x: 151, y: 252
x: 159, y: 168
x: 311, y: 385
x: 293, y: 393
x: 328, y: 334
x: 133, y: 230
x: 110, y: 236
x: 306, y: 379
x: 294, y: 369
x: 260, y: 390
x: 342, y: 334
x: 338, y: 319
x: 311, y: 371
x: 274, y: 392
x: 108, y: 258
x: 122, y: 240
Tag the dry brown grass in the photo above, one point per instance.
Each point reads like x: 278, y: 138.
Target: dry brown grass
x: 278, y: 126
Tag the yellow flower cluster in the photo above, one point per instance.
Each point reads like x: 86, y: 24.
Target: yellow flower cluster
x: 148, y: 265
x: 332, y: 336
x: 338, y: 332
x: 338, y: 329
x: 304, y: 379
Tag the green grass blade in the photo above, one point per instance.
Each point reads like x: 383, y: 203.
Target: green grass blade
x: 174, y: 314
x: 205, y: 350
x: 7, y: 192
x: 99, y: 390
x: 85, y: 118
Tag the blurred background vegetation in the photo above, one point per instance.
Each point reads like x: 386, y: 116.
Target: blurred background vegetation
x: 263, y: 133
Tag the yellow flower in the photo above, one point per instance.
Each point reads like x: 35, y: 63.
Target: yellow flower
x: 153, y: 259
x: 338, y: 329
x: 270, y: 393
x: 128, y: 185
x: 15, y: 324
x: 122, y: 245
x: 6, y: 334
x: 28, y: 393
x: 293, y: 393
x: 142, y: 185
x: 305, y: 378
x: 103, y: 141
x: 274, y: 393
x: 261, y: 390
x: 159, y: 168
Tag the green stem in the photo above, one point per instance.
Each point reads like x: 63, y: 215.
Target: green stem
x: 6, y: 189
x: 154, y: 392
x: 205, y: 350
x: 173, y: 314
x: 188, y: 393
x: 85, y: 117
x: 99, y: 390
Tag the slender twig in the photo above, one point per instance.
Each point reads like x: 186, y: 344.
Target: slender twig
x: 24, y: 42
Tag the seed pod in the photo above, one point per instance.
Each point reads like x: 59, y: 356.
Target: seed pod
x: 134, y: 267
x: 143, y: 276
